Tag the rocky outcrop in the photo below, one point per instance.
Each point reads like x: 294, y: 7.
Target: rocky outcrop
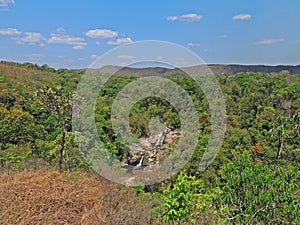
x: 154, y: 148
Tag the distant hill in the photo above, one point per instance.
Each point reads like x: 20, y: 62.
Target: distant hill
x: 234, y: 69
x: 215, y: 68
x: 30, y: 75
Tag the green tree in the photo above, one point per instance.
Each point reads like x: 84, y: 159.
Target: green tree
x: 284, y: 130
x: 251, y: 194
x: 17, y: 127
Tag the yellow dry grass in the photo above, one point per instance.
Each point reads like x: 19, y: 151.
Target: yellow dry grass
x: 47, y: 197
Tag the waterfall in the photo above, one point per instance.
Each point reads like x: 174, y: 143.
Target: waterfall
x: 161, y: 138
x: 141, y: 162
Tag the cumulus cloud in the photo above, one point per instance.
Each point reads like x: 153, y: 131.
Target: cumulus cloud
x: 120, y: 41
x: 4, y: 3
x: 31, y: 38
x: 62, y: 38
x: 101, y: 33
x: 192, y: 17
x: 191, y: 44
x: 242, y: 17
x: 10, y: 31
x: 269, y: 41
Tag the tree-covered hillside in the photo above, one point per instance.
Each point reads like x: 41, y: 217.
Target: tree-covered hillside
x: 253, y: 180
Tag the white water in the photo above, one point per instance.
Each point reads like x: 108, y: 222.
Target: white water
x: 141, y: 162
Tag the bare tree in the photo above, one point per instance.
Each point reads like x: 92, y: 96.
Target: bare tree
x: 59, y: 102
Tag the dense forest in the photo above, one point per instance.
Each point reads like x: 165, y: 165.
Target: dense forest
x: 45, y: 178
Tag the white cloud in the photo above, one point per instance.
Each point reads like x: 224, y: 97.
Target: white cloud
x: 269, y: 41
x: 61, y: 38
x: 192, y: 17
x: 172, y: 18
x: 242, y: 17
x: 101, y: 33
x: 120, y: 41
x: 224, y: 36
x: 125, y: 57
x: 190, y: 44
x: 94, y: 56
x: 10, y: 31
x: 79, y: 46
x: 4, y: 3
x: 31, y: 38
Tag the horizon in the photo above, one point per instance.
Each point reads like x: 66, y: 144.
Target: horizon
x: 212, y: 64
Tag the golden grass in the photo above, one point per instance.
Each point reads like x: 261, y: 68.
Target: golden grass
x: 47, y: 197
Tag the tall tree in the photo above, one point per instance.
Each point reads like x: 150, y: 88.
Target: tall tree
x: 59, y: 102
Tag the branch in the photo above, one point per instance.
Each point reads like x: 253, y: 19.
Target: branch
x: 261, y: 209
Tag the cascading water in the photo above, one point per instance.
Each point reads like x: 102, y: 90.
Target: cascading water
x: 141, y: 162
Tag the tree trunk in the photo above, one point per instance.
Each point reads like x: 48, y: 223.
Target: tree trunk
x: 279, y: 150
x: 62, y: 147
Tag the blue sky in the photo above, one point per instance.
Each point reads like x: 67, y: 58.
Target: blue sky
x: 71, y: 33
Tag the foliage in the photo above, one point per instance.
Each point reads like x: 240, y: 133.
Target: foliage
x: 252, y: 195
x: 284, y: 130
x: 73, y: 158
x: 7, y: 99
x: 179, y: 198
x: 15, y: 155
x: 17, y: 127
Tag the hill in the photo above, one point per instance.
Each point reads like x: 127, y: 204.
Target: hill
x: 217, y: 69
x: 27, y: 75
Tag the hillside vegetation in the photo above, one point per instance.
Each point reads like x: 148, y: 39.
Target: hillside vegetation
x: 253, y: 180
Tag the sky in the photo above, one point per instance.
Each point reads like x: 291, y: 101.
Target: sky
x: 73, y: 33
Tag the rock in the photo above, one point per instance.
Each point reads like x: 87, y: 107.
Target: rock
x: 155, y: 148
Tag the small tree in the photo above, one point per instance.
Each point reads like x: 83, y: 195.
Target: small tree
x: 59, y: 102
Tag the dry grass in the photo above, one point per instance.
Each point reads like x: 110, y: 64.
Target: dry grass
x: 47, y: 197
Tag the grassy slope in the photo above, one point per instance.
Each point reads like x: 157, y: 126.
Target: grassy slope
x: 47, y: 197
x: 18, y: 79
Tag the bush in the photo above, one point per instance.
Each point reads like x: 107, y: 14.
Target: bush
x: 178, y: 199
